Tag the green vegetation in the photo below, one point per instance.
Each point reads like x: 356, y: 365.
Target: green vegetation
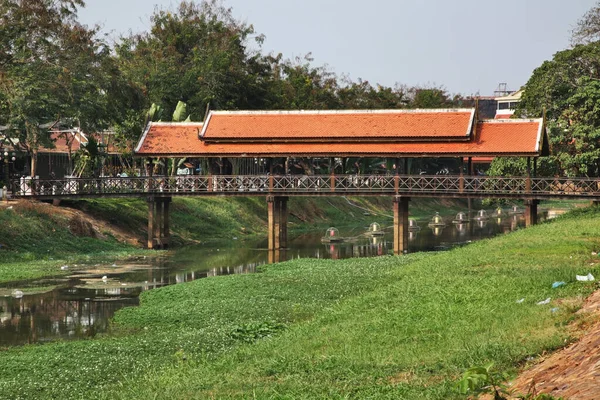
x: 389, y: 327
x: 35, y: 241
x: 36, y: 238
x: 210, y: 219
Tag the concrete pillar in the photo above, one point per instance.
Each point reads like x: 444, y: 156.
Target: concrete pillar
x: 277, y: 222
x: 158, y: 222
x: 531, y: 212
x: 283, y: 222
x: 151, y: 211
x: 401, y: 225
x: 271, y: 222
x: 166, y: 234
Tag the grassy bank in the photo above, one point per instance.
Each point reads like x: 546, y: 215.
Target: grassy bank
x: 218, y: 218
x: 390, y: 327
x: 37, y: 238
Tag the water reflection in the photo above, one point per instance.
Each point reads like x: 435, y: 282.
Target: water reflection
x: 82, y: 304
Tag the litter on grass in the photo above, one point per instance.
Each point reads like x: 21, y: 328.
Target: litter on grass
x: 521, y: 300
x: 585, y: 278
x: 541, y: 303
x: 558, y: 284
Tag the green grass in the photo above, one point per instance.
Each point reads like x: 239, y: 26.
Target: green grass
x: 34, y: 243
x: 389, y: 327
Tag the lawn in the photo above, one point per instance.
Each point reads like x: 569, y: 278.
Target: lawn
x: 388, y: 327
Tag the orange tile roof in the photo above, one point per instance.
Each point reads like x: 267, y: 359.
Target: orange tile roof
x: 493, y: 138
x: 170, y: 138
x: 330, y: 126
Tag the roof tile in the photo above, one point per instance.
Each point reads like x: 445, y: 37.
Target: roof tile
x: 338, y: 125
x: 493, y: 138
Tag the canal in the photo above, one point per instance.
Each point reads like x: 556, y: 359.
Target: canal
x: 82, y: 304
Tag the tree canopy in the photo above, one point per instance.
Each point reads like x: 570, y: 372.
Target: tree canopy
x: 52, y: 70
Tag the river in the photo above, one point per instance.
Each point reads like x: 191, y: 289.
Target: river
x: 82, y: 304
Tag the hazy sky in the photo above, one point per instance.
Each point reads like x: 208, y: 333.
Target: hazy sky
x: 466, y: 46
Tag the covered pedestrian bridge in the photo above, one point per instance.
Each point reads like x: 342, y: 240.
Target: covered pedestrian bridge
x: 278, y: 154
x: 308, y: 153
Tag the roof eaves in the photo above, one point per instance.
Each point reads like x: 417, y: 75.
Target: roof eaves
x: 205, y: 124
x: 471, y: 124
x: 141, y: 142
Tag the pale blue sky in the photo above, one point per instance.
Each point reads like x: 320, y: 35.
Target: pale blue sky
x: 467, y: 46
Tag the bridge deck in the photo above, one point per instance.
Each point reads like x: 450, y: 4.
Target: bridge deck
x: 313, y: 185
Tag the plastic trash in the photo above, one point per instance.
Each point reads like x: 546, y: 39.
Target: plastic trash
x: 521, y: 300
x: 64, y: 267
x: 17, y: 294
x: 541, y: 303
x: 553, y: 310
x: 585, y: 278
x: 558, y: 284
x: 114, y: 265
x: 104, y: 278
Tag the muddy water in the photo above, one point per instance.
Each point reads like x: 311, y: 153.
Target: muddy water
x: 82, y: 304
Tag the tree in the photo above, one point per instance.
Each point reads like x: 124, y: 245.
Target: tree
x: 197, y: 54
x: 52, y: 69
x: 566, y: 89
x: 588, y: 27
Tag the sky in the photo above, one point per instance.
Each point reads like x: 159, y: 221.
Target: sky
x: 466, y: 46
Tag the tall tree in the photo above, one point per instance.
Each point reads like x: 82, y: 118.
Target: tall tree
x: 566, y: 89
x: 197, y: 54
x: 51, y: 69
x: 587, y: 29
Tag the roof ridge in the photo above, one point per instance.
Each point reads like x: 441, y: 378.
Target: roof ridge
x: 344, y: 112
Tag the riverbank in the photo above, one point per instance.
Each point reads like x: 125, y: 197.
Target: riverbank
x: 388, y: 327
x: 37, y: 239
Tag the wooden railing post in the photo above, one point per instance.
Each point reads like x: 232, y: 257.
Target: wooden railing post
x: 332, y: 182
x: 271, y: 183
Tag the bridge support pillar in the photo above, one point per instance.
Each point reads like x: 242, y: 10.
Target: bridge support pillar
x: 277, y: 222
x: 531, y: 212
x: 401, y: 225
x: 159, y: 234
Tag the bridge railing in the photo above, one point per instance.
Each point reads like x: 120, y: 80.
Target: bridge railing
x: 311, y: 184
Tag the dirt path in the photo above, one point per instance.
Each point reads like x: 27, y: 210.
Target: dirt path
x: 573, y: 372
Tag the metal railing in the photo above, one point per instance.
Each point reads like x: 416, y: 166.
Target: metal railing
x: 424, y: 185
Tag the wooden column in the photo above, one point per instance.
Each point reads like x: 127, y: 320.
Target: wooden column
x: 401, y: 225
x: 528, y: 180
x: 531, y: 212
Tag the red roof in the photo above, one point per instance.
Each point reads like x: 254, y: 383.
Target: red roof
x: 170, y: 138
x: 330, y: 126
x: 493, y: 138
